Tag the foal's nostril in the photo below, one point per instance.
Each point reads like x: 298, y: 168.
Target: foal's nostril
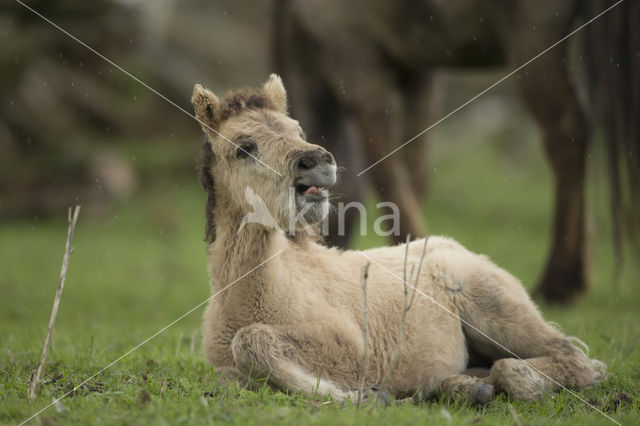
x: 307, y: 162
x: 315, y: 168
x: 328, y: 157
x: 310, y: 159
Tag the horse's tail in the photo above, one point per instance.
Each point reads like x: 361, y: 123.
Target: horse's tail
x: 613, y: 50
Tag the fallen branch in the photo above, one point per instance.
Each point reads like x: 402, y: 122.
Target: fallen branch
x: 35, y: 377
x: 365, y: 332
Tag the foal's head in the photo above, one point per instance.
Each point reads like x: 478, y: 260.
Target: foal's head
x: 256, y: 158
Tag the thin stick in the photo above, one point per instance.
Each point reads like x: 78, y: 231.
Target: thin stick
x: 56, y: 302
x: 516, y: 418
x: 396, y: 350
x: 406, y: 306
x: 416, y: 283
x: 406, y: 258
x: 365, y: 332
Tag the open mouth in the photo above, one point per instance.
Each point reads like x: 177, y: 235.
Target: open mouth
x: 311, y: 192
x: 312, y: 185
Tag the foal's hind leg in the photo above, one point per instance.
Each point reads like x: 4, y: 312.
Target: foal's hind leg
x: 503, y: 326
x: 500, y: 309
x: 532, y: 378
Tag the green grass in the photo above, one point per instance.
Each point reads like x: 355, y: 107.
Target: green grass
x: 140, y: 264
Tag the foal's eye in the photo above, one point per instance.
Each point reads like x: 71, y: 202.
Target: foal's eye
x: 246, y: 148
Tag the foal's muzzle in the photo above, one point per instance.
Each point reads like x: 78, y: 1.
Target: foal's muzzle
x: 314, y: 172
x: 321, y: 176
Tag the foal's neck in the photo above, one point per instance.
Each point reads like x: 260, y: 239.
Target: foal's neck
x: 238, y: 247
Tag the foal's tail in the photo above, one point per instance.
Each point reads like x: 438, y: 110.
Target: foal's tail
x: 613, y: 48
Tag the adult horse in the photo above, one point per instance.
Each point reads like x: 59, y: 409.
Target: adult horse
x: 358, y: 73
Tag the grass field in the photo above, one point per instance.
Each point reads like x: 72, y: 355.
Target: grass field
x: 141, y: 264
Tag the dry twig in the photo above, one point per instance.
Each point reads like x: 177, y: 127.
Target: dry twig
x: 513, y: 412
x: 35, y: 377
x: 407, y: 304
x: 365, y: 332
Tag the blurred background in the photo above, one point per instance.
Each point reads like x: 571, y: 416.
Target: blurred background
x: 74, y: 129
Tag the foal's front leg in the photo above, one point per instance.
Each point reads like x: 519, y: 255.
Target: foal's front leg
x: 264, y: 351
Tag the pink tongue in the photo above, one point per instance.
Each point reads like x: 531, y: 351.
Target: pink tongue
x: 313, y: 190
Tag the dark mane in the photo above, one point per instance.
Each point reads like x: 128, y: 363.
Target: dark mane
x: 234, y: 102
x: 206, y: 179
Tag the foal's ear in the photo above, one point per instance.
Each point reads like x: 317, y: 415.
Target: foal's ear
x: 207, y: 108
x: 274, y: 89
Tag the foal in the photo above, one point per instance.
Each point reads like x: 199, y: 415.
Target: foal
x: 291, y: 310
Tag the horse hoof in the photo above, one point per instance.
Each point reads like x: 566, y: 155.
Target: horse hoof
x: 483, y: 394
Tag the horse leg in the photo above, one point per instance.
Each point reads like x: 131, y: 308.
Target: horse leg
x: 415, y: 93
x: 331, y: 127
x: 548, y: 93
x: 326, y: 123
x: 375, y: 100
x: 392, y: 181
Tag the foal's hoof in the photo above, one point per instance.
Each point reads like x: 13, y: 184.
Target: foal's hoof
x: 470, y: 389
x: 482, y: 393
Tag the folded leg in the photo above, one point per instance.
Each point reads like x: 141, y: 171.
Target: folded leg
x: 261, y: 351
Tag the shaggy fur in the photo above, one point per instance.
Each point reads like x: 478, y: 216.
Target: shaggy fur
x: 297, y: 320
